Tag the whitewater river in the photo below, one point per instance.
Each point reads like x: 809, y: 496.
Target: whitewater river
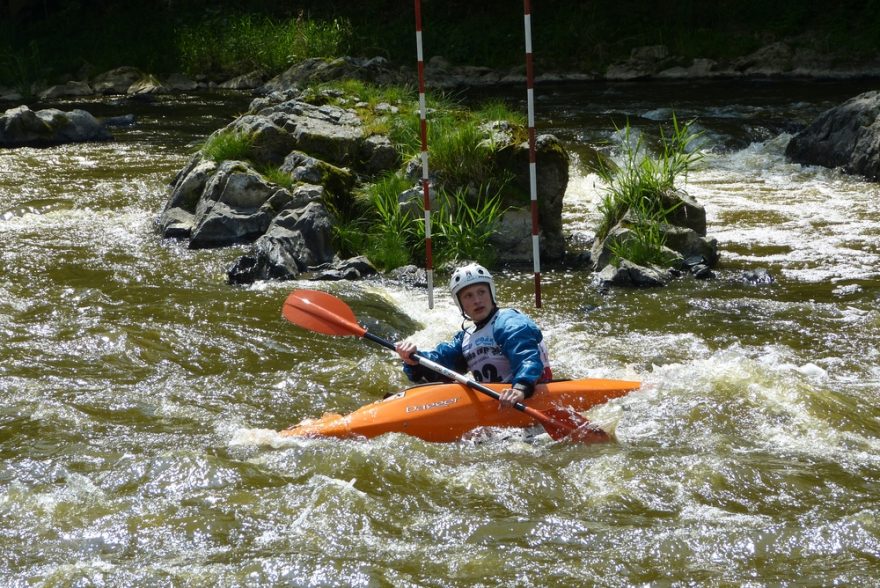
x: 139, y: 393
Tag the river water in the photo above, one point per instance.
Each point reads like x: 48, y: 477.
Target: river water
x: 139, y: 394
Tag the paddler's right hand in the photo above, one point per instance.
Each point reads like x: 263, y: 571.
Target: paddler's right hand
x: 405, y: 349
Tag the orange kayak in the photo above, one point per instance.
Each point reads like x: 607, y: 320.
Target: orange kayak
x: 446, y: 412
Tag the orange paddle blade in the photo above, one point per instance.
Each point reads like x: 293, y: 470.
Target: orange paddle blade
x: 321, y: 312
x: 567, y: 425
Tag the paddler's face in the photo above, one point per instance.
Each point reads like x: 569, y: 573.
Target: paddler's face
x: 476, y: 301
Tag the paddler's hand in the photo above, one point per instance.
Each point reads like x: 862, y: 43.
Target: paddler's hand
x: 405, y: 349
x: 511, y: 396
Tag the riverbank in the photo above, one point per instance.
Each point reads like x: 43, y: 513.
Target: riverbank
x: 774, y: 62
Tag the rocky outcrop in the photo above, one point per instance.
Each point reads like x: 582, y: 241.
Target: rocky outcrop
x: 22, y: 126
x: 377, y: 70
x: 513, y: 238
x: 326, y: 154
x: 845, y: 137
x: 686, y: 246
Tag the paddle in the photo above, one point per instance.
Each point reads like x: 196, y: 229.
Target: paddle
x: 324, y: 313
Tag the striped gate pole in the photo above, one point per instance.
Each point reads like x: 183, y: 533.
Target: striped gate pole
x: 533, y: 181
x: 423, y: 124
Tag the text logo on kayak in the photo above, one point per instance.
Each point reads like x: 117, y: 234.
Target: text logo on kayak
x: 431, y: 405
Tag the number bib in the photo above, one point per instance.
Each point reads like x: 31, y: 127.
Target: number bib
x: 484, y: 357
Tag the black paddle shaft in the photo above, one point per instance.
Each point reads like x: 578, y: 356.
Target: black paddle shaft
x: 443, y: 370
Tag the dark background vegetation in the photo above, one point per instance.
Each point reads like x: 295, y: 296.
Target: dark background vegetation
x: 42, y: 40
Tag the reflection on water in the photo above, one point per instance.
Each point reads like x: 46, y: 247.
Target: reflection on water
x: 140, y: 393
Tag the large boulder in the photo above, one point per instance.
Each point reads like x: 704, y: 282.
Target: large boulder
x: 685, y: 245
x: 846, y: 137
x: 513, y: 240
x: 237, y: 205
x: 298, y: 239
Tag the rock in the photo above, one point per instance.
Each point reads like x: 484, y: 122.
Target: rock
x: 296, y: 240
x: 411, y: 275
x: 702, y: 272
x: 689, y: 243
x: 378, y: 155
x: 66, y: 90
x: 123, y: 120
x: 630, y: 274
x: 270, y: 143
x: 354, y: 268
x: 315, y: 70
x: 757, y: 277
x: 146, y: 85
x: 237, y: 205
x: 304, y: 168
x: 684, y: 211
x: 514, y: 238
x: 187, y: 187
x: 846, y: 136
x: 22, y: 126
x: 177, y: 82
x: 306, y: 233
x: 601, y: 251
x: 176, y: 223
x: 247, y: 81
x: 116, y: 81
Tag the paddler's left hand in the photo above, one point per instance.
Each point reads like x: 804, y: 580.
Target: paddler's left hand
x: 511, y: 396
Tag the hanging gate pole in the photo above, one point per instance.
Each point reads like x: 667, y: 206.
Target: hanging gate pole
x: 533, y: 181
x: 423, y: 124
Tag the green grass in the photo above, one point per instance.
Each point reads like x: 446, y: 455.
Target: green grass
x: 464, y: 224
x: 222, y: 39
x: 224, y: 145
x: 249, y: 42
x: 636, y: 187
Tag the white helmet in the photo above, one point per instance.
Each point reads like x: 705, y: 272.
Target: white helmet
x: 469, y: 275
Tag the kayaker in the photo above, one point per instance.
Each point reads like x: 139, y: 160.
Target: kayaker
x: 502, y: 344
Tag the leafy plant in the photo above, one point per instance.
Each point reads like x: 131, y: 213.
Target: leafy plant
x: 388, y: 229
x: 637, y: 191
x: 463, y: 229
x: 644, y: 243
x: 641, y: 182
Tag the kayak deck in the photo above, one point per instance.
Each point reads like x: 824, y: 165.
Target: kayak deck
x: 446, y: 412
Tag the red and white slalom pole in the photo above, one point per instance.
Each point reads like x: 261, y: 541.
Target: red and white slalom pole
x: 423, y: 124
x: 533, y: 180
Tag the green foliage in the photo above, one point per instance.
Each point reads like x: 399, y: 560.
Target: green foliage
x: 276, y: 176
x: 225, y: 144
x: 498, y: 110
x: 247, y: 42
x: 645, y: 241
x: 226, y: 37
x: 23, y: 69
x: 460, y: 150
x: 636, y: 189
x: 378, y: 226
x: 463, y: 230
x: 392, y: 233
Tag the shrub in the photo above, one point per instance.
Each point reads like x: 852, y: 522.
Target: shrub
x: 635, y: 189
